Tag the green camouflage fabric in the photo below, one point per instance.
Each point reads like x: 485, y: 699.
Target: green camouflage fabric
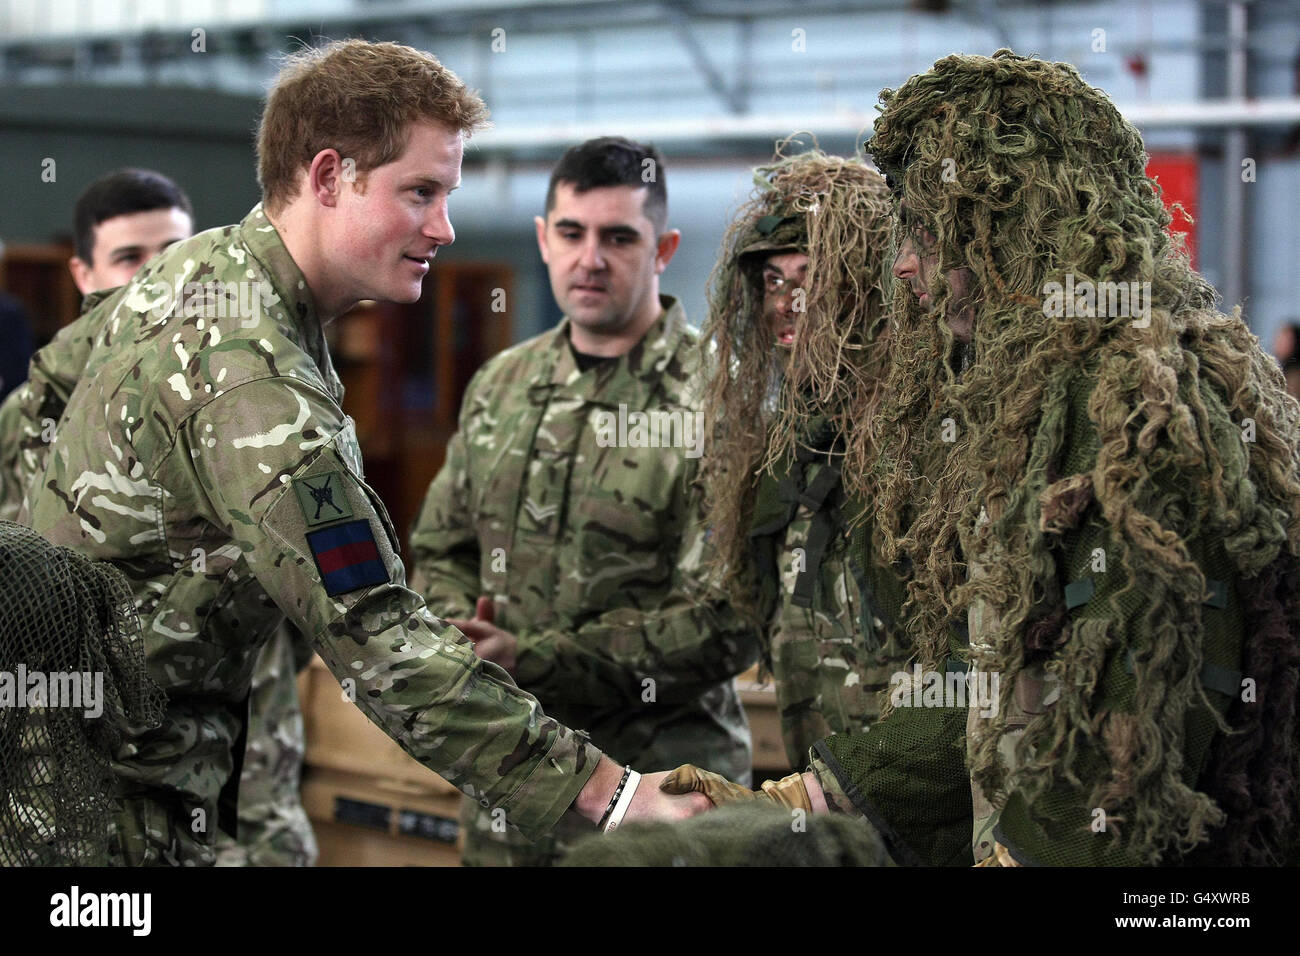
x: 593, y: 557
x: 828, y: 673
x: 11, y: 489
x: 273, y: 826
x: 189, y: 442
x: 1062, y: 826
x: 30, y: 413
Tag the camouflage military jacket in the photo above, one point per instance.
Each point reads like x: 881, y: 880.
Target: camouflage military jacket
x: 591, y: 546
x: 829, y: 672
x: 205, y: 454
x: 271, y: 816
x: 29, y: 413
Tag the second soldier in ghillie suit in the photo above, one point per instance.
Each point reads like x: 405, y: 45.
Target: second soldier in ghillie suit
x: 796, y: 332
x: 1113, y: 495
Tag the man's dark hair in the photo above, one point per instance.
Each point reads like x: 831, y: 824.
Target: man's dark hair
x: 120, y: 193
x: 614, y: 161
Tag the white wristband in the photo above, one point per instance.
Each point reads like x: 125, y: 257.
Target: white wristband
x: 624, y: 801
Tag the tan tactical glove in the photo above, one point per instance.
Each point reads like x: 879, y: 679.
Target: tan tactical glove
x: 1000, y: 856
x: 688, y: 778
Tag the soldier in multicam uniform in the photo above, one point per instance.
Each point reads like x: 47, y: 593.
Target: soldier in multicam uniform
x: 121, y: 221
x: 566, y: 518
x: 776, y: 456
x: 204, y: 453
x: 1109, y: 493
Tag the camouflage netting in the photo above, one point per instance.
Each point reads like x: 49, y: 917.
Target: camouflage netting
x: 1025, y: 174
x: 737, y: 835
x: 762, y: 396
x: 61, y: 615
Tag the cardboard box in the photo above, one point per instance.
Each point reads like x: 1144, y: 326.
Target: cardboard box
x: 367, y: 821
x: 765, y: 728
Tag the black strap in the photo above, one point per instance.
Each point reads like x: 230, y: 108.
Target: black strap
x: 1081, y: 592
x: 815, y: 495
x: 820, y: 532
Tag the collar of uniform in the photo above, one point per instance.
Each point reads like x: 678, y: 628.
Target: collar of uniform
x: 263, y: 241
x: 635, y: 375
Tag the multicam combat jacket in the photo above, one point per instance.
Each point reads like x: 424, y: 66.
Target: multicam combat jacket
x: 204, y: 453
x: 273, y: 829
x: 591, y: 545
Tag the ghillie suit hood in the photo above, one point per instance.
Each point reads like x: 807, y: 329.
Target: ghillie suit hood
x: 762, y: 398
x: 1026, y: 175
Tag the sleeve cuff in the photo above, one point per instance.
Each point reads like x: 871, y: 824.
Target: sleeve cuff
x: 836, y: 799
x: 548, y: 793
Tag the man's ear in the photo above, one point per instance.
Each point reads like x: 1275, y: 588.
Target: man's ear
x: 325, y: 177
x: 81, y: 275
x: 540, y: 223
x: 666, y: 246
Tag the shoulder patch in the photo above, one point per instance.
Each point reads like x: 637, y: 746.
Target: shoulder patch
x: 322, y: 498
x: 347, y: 557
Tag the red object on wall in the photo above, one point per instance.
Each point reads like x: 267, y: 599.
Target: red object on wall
x: 1179, y: 181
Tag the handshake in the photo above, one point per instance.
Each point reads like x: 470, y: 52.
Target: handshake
x: 667, y: 795
x: 687, y: 791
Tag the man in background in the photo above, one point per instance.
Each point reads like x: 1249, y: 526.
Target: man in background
x: 573, y: 540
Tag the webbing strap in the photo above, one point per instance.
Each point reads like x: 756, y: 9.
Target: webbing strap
x: 1223, y: 679
x: 826, y: 481
x: 819, y: 537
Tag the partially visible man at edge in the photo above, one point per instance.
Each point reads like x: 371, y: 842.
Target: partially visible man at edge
x: 582, y: 553
x: 120, y: 222
x: 208, y: 418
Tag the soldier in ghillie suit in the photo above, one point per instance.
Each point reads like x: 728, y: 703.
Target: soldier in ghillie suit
x: 1122, y: 482
x: 795, y: 335
x: 1110, y: 495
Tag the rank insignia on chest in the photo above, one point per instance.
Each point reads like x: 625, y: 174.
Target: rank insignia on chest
x: 322, y: 498
x: 347, y: 557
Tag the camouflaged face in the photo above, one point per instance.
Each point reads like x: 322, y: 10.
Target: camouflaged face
x: 176, y: 461
x: 592, y: 553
